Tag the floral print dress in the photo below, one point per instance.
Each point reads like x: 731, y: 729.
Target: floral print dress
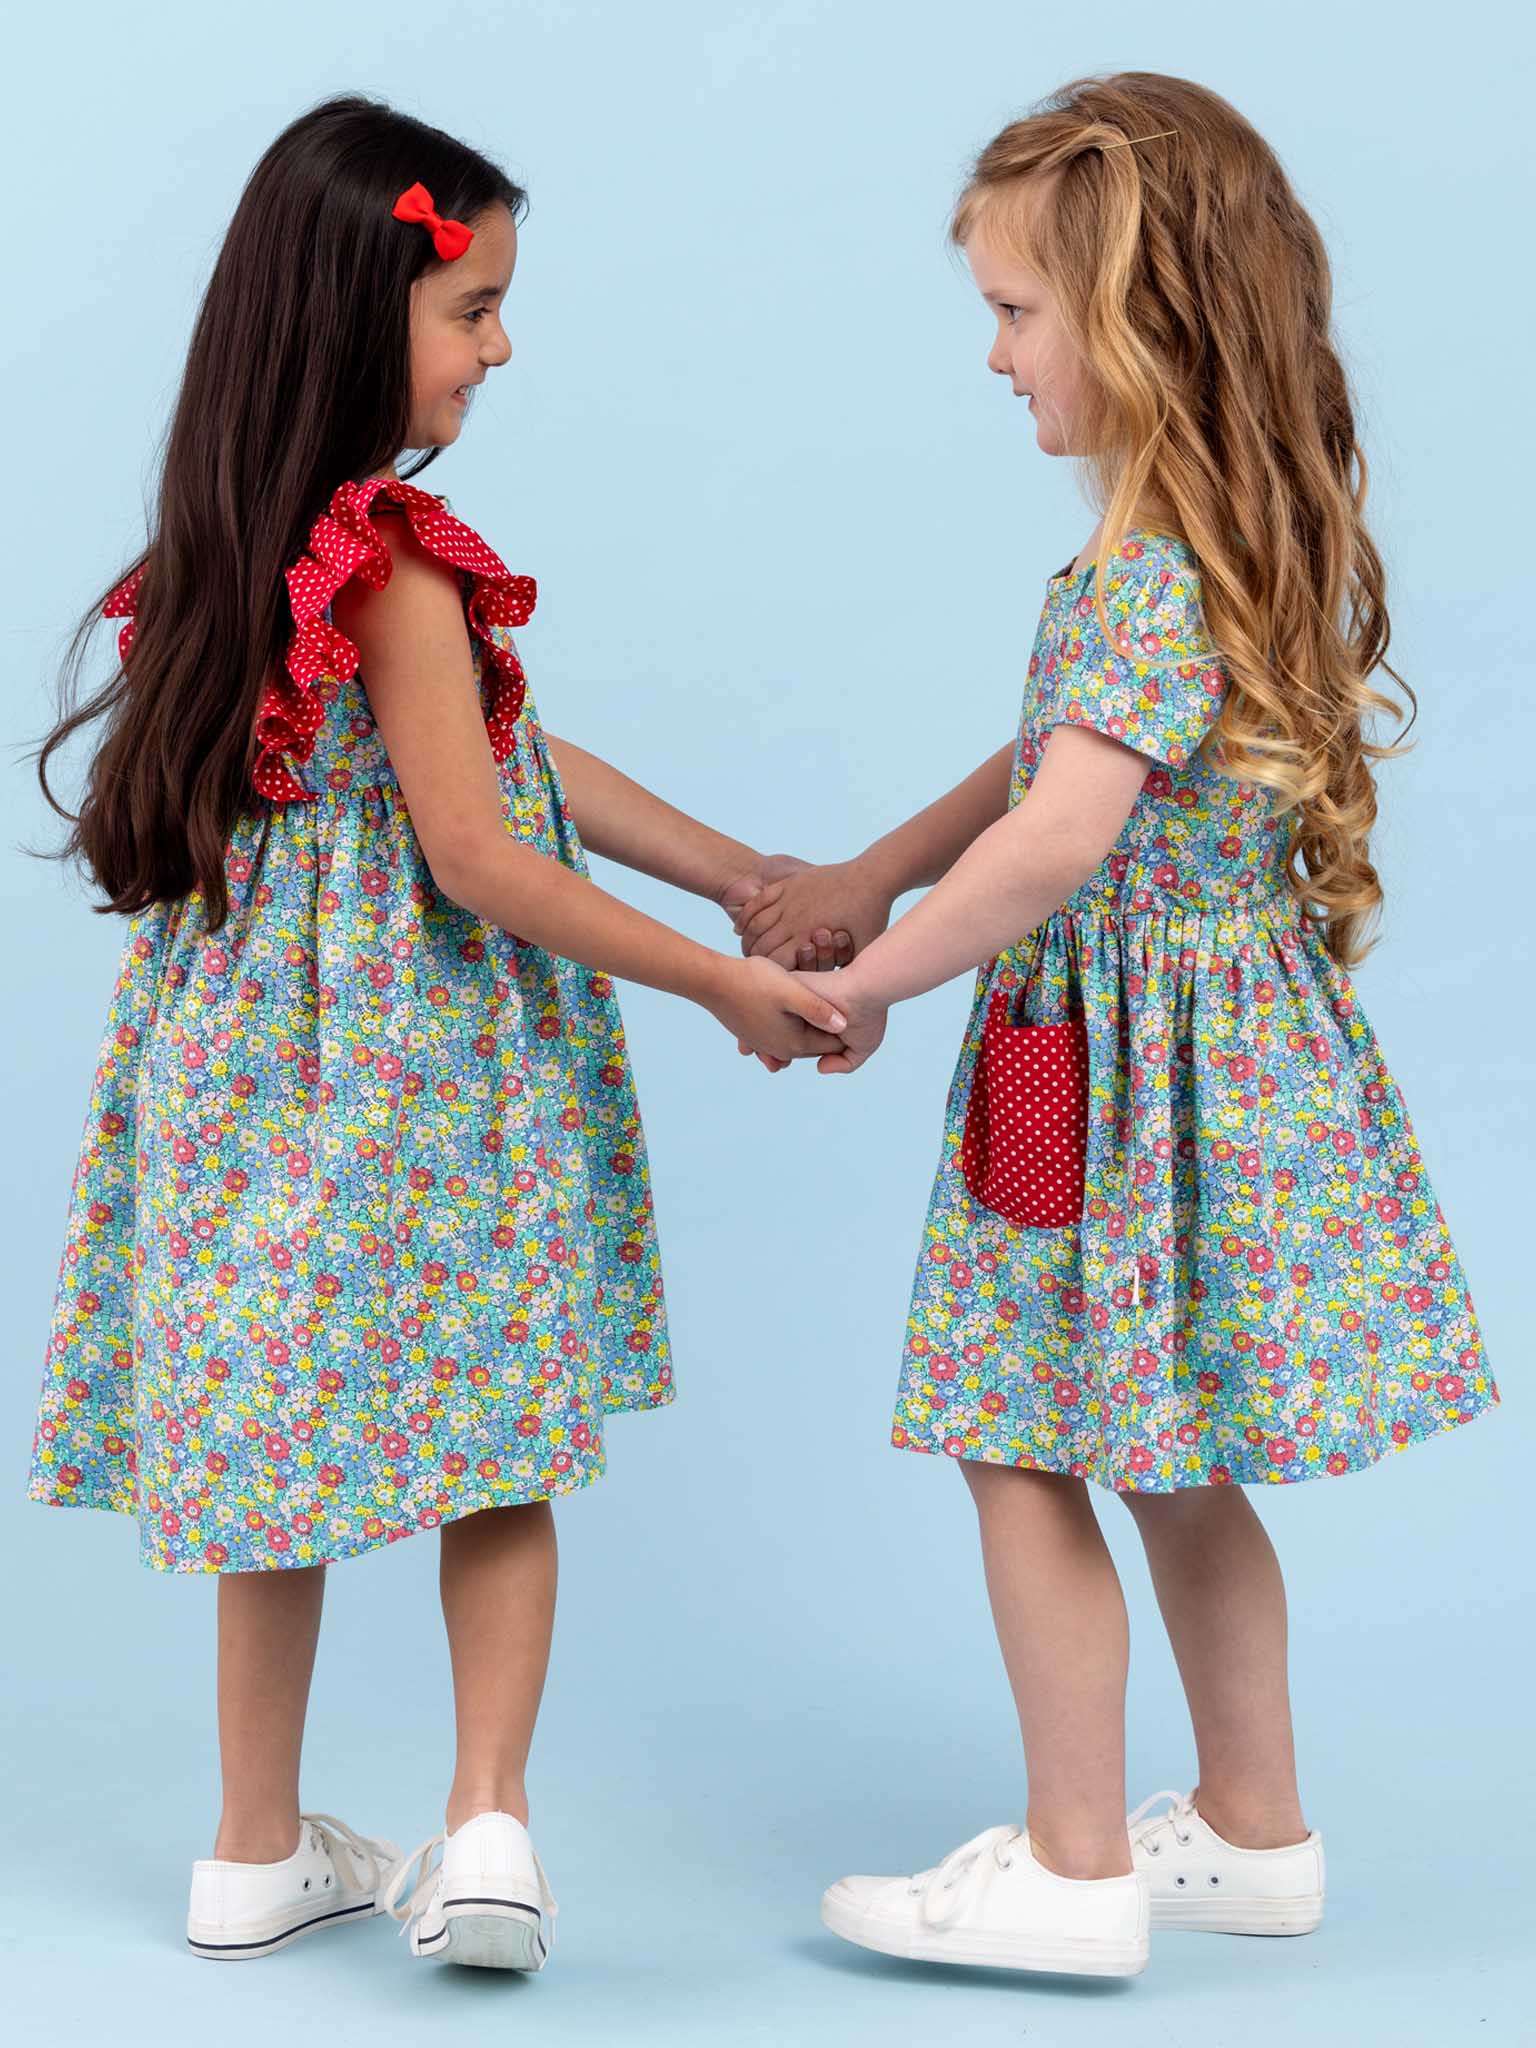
x: 1261, y: 1286
x: 361, y: 1236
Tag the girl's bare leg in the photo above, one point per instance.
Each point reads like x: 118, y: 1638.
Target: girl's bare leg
x: 1222, y: 1599
x: 1061, y: 1623
x: 269, y: 1623
x: 498, y: 1576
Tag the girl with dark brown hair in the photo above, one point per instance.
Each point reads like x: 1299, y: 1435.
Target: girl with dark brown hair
x: 361, y: 1239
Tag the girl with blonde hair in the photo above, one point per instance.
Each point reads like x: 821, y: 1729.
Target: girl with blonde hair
x: 1181, y: 1240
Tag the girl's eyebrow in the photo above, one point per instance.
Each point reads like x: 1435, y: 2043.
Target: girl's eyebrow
x: 485, y: 291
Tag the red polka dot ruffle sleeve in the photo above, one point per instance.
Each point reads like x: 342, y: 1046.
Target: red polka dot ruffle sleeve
x: 343, y: 543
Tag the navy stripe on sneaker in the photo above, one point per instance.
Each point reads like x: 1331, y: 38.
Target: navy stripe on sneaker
x: 284, y: 1934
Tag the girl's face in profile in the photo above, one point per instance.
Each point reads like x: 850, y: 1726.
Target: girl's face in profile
x: 1031, y: 347
x: 456, y: 330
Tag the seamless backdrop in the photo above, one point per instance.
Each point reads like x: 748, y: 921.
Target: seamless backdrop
x: 791, y: 540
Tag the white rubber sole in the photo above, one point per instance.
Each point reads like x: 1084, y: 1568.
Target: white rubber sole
x: 1297, y: 1915
x: 485, y: 1934
x: 248, y: 1940
x: 1063, y: 1955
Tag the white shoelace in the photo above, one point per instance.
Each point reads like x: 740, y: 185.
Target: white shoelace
x: 334, y: 1836
x: 1143, y: 1825
x: 428, y: 1872
x: 964, y: 1874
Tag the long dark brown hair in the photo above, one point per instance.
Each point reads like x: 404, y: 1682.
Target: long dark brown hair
x: 297, y: 380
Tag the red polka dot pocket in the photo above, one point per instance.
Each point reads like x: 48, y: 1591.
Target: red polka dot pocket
x: 1025, y: 1150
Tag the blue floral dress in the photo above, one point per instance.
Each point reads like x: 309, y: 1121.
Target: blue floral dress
x: 1262, y: 1286
x: 361, y: 1236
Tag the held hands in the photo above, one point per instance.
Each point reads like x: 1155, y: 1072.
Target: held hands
x: 861, y: 1029
x: 777, y: 1015
x: 806, y: 916
x: 744, y: 891
x: 863, y: 1026
x: 793, y: 913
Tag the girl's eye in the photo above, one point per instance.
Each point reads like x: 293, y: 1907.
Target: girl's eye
x: 1012, y: 312
x: 477, y: 313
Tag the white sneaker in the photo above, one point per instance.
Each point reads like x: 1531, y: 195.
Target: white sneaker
x: 485, y: 1902
x: 239, y: 1911
x: 991, y: 1903
x: 1200, y: 1881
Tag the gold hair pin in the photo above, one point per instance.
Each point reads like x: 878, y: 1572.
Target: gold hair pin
x: 1127, y: 141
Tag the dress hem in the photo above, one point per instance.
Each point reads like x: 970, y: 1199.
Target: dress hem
x: 1241, y: 1473
x: 470, y: 1504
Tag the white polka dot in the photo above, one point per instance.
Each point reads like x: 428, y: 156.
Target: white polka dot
x: 343, y: 543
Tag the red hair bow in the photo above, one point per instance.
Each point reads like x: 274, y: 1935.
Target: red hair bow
x: 450, y: 238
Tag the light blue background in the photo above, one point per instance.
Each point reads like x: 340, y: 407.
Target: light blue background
x: 790, y: 541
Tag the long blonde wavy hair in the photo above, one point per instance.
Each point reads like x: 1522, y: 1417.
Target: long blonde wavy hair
x: 1197, y: 291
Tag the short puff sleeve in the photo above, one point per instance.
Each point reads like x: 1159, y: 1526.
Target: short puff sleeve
x: 1158, y: 686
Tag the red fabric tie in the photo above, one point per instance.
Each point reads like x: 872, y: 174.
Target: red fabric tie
x: 450, y: 238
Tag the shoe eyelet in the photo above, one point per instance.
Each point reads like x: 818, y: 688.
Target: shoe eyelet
x: 1005, y: 1863
x: 306, y: 1884
x: 327, y: 1877
x: 1154, y: 1848
x: 1183, y: 1840
x: 1213, y: 1879
x: 1181, y: 1880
